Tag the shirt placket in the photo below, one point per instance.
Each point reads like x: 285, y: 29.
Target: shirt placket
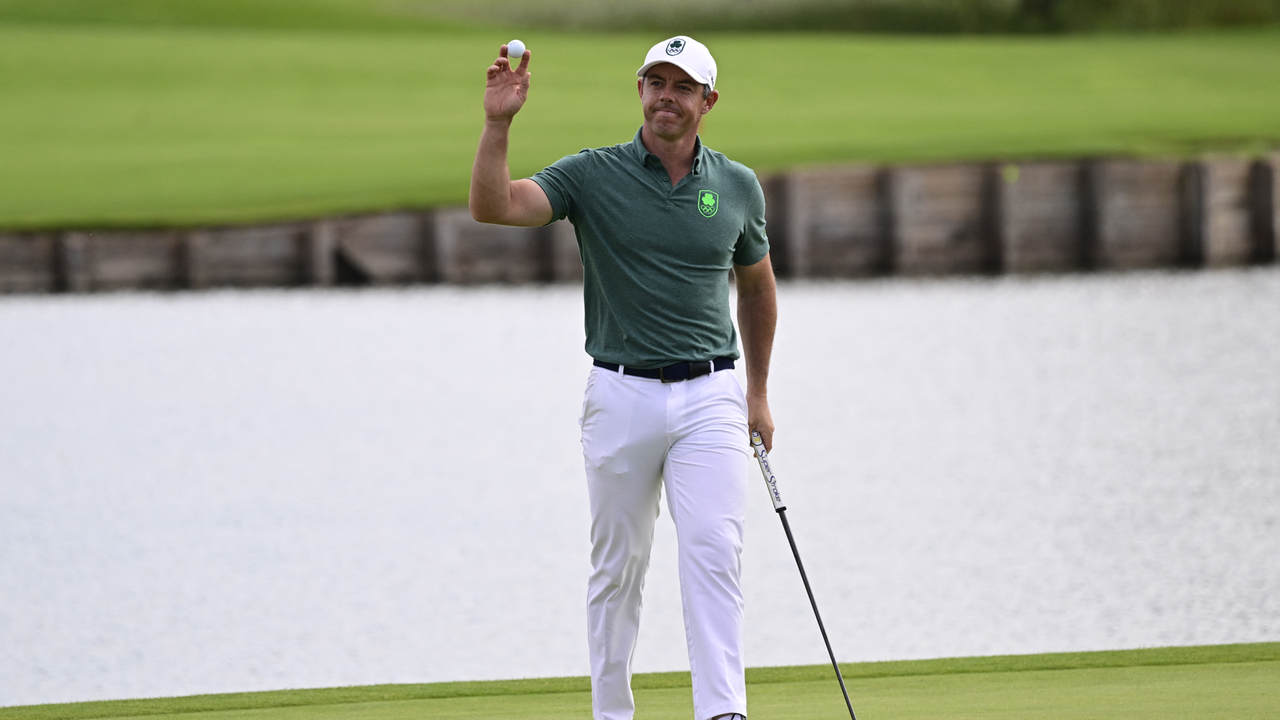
x: 660, y: 173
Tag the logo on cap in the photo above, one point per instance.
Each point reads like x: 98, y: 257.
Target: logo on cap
x: 675, y: 47
x: 708, y: 203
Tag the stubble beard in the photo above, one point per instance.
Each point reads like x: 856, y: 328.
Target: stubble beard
x: 669, y: 127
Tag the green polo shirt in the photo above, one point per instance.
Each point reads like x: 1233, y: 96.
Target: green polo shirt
x: 656, y: 258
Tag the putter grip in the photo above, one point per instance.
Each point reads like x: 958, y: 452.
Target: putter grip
x: 770, y: 480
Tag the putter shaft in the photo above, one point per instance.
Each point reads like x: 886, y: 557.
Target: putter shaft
x: 786, y: 526
x: 772, y: 482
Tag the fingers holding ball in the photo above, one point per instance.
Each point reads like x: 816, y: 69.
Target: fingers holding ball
x: 515, y: 51
x: 511, y: 58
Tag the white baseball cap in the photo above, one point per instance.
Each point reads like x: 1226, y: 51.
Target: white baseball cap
x: 685, y: 53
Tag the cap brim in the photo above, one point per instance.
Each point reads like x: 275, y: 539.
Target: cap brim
x: 692, y: 73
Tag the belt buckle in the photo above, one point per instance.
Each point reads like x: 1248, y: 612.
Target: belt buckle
x: 691, y: 370
x: 662, y: 373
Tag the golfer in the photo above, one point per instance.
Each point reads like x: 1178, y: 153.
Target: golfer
x: 660, y: 221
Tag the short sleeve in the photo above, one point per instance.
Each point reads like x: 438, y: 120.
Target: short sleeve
x: 563, y: 181
x: 753, y: 245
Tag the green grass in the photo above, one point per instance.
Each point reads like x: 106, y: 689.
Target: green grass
x: 134, y: 124
x: 1226, y: 681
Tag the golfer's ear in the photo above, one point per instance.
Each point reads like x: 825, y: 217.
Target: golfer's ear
x: 710, y: 101
x: 640, y: 87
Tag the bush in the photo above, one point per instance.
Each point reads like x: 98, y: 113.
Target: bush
x: 897, y: 16
x: 1094, y: 15
x: 894, y: 16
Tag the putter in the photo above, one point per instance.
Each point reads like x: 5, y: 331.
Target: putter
x: 772, y: 482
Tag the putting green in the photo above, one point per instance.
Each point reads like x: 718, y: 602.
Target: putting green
x: 1241, y: 682
x: 136, y: 125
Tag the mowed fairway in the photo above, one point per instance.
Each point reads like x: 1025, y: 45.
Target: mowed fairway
x: 119, y: 125
x: 1241, y: 682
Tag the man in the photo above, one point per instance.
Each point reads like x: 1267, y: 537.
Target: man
x: 660, y: 221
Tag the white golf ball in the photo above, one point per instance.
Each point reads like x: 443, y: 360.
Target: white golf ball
x: 515, y: 50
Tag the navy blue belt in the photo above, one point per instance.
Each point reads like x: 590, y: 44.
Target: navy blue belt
x: 673, y: 373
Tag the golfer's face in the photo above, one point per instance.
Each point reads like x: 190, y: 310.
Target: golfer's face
x: 673, y: 102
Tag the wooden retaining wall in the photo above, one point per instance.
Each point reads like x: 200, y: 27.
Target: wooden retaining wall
x: 1106, y: 214
x: 857, y: 221
x: 1040, y: 223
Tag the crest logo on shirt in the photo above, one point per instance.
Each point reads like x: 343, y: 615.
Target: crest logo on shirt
x: 675, y: 46
x: 708, y: 203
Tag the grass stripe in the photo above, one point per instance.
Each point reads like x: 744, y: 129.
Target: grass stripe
x: 1114, y: 659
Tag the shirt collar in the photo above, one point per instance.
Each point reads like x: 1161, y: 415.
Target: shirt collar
x: 642, y: 153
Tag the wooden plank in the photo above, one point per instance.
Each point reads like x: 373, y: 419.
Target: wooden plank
x: 320, y: 254
x: 28, y: 262
x: 122, y: 259
x: 838, y: 222
x: 942, y: 220
x: 1136, y: 213
x: 389, y: 248
x: 1221, y: 230
x: 1266, y: 208
x: 74, y: 264
x: 1039, y: 209
x: 469, y: 252
x: 249, y: 256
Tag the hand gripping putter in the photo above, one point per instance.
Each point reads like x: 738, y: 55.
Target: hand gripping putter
x: 772, y: 482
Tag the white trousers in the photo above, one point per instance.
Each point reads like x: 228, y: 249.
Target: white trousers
x: 637, y: 435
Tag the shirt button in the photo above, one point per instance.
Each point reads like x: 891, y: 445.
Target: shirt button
x: 666, y: 179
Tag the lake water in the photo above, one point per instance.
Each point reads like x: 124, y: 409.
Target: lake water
x: 233, y: 491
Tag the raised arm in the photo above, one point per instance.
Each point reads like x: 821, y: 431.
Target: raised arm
x: 757, y: 318
x: 494, y: 198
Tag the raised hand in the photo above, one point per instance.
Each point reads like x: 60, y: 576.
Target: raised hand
x: 506, y: 90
